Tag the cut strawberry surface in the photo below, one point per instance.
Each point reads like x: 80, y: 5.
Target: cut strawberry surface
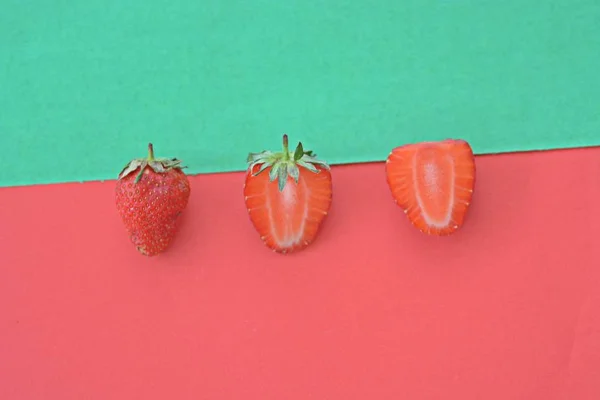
x: 433, y: 183
x: 287, y: 195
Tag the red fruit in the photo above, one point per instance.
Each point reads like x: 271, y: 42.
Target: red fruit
x: 151, y: 194
x: 288, y: 195
x: 433, y: 183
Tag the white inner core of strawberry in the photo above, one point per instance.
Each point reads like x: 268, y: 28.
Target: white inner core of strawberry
x: 431, y: 178
x: 289, y: 235
x: 430, y: 186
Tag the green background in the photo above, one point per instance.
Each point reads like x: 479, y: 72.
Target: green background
x: 86, y: 84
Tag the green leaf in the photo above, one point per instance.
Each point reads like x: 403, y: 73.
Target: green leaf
x: 253, y: 157
x: 294, y: 172
x: 158, y: 166
x: 274, y: 172
x: 283, y: 175
x: 261, y: 169
x: 299, y: 152
x: 132, y: 166
x: 313, y: 160
x: 143, y: 165
x: 308, y: 166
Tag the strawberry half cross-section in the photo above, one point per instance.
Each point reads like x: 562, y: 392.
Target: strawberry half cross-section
x: 288, y: 195
x: 433, y: 183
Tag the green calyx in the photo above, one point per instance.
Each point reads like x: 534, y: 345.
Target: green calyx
x: 158, y: 165
x: 285, y: 163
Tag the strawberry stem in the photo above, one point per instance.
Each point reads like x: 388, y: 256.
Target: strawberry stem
x: 150, y: 152
x: 286, y: 153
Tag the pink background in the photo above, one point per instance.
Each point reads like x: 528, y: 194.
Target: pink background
x: 507, y: 308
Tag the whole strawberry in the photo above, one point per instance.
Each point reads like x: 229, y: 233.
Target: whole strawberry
x: 151, y: 194
x: 287, y: 195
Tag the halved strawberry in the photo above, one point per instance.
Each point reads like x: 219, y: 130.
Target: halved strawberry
x: 288, y: 195
x: 433, y: 183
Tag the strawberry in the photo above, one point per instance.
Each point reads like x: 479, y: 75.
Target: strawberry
x: 433, y: 183
x: 288, y: 195
x: 151, y: 194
